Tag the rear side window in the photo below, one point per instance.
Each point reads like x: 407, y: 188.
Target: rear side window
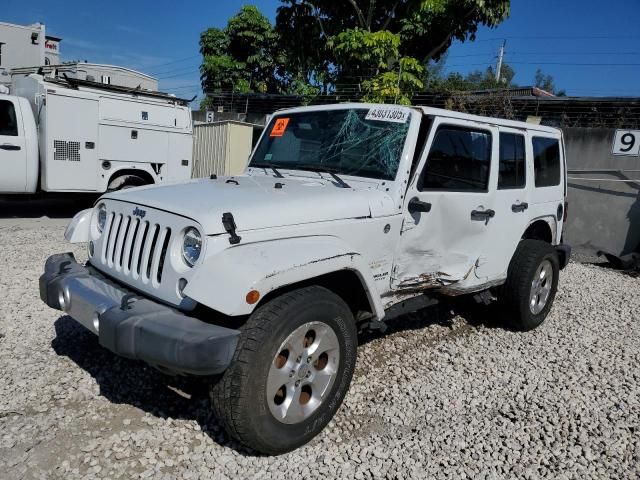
x: 546, y: 161
x: 459, y: 160
x: 8, y: 123
x: 512, y: 161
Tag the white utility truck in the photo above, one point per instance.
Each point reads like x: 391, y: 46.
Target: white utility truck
x: 346, y: 217
x: 69, y: 135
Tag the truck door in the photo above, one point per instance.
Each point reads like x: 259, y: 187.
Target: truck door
x: 13, y: 151
x: 449, y: 208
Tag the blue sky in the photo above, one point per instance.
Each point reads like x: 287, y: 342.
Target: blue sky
x: 592, y: 48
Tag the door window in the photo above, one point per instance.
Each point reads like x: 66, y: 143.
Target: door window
x: 459, y: 160
x: 512, y: 162
x: 546, y: 160
x: 8, y: 123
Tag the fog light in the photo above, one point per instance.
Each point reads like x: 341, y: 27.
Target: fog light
x: 252, y: 297
x: 91, y: 247
x: 182, y: 284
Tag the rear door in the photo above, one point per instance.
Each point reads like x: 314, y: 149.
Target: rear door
x: 512, y: 201
x: 13, y: 148
x: 548, y: 193
x: 449, y: 208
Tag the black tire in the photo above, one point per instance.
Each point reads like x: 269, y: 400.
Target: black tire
x: 516, y: 293
x: 239, y: 397
x: 124, y: 182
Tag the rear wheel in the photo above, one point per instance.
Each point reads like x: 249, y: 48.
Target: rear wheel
x: 532, y: 281
x: 291, y: 370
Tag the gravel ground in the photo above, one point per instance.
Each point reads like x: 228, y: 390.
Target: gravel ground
x: 445, y: 394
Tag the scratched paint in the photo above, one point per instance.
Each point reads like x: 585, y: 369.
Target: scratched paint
x: 319, y: 260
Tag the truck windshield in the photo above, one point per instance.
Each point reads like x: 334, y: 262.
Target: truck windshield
x: 362, y: 142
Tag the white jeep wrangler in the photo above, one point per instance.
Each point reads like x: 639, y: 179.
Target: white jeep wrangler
x: 347, y: 216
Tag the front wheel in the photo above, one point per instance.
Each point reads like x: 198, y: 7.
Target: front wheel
x: 290, y: 372
x: 532, y: 281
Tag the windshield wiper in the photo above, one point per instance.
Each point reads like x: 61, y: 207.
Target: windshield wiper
x: 268, y: 165
x: 322, y: 169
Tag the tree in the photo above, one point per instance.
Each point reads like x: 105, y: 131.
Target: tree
x: 547, y: 83
x: 364, y: 42
x: 476, y: 80
x: 243, y: 57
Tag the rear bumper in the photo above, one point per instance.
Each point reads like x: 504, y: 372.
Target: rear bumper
x: 133, y: 326
x: 564, y: 254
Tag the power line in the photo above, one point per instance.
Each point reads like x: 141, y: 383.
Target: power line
x: 579, y: 64
x: 179, y: 74
x: 556, y: 37
x: 173, y: 70
x: 152, y: 67
x: 516, y: 53
x: 550, y: 63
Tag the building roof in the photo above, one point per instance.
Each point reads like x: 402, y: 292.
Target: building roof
x: 512, y: 92
x: 34, y: 26
x: 79, y: 65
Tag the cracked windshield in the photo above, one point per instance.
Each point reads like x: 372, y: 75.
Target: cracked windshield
x: 359, y: 142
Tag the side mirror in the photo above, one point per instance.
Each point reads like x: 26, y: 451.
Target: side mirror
x: 416, y: 205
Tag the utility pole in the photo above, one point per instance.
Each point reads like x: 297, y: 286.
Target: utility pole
x: 500, y: 60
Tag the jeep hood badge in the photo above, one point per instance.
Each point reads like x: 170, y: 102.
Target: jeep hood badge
x: 138, y: 212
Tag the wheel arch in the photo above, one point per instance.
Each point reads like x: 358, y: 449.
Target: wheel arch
x: 345, y: 283
x: 278, y: 266
x: 124, y: 171
x: 540, y: 229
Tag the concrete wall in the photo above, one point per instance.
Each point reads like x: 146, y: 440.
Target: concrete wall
x: 18, y: 49
x: 604, y: 206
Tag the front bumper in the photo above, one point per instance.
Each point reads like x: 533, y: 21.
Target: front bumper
x: 133, y: 326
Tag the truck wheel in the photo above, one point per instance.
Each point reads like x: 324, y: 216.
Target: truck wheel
x: 126, y: 181
x: 532, y: 281
x: 290, y: 372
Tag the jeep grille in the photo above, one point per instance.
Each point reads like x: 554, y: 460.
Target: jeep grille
x: 135, y: 247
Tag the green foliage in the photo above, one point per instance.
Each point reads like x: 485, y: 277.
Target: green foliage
x: 547, y: 83
x: 396, y: 87
x: 243, y: 57
x: 368, y: 51
x: 378, y: 47
x: 478, y: 80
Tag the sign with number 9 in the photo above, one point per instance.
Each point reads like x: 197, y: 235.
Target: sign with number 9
x: 626, y: 142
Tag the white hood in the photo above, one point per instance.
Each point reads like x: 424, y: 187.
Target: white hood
x: 256, y: 203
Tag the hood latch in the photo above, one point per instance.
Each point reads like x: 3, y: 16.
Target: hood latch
x: 229, y: 225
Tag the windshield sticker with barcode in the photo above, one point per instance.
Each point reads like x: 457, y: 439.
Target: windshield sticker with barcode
x: 388, y: 114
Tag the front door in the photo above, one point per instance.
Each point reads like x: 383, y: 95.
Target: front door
x: 449, y: 208
x: 13, y: 151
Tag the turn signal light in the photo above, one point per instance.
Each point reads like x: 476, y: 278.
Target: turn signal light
x: 252, y: 297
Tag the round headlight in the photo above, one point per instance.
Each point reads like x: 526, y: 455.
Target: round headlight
x: 102, y: 217
x: 191, y: 246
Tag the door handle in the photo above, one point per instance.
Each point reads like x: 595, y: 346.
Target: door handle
x: 483, y: 215
x: 417, y: 205
x: 8, y: 146
x: 519, y: 207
